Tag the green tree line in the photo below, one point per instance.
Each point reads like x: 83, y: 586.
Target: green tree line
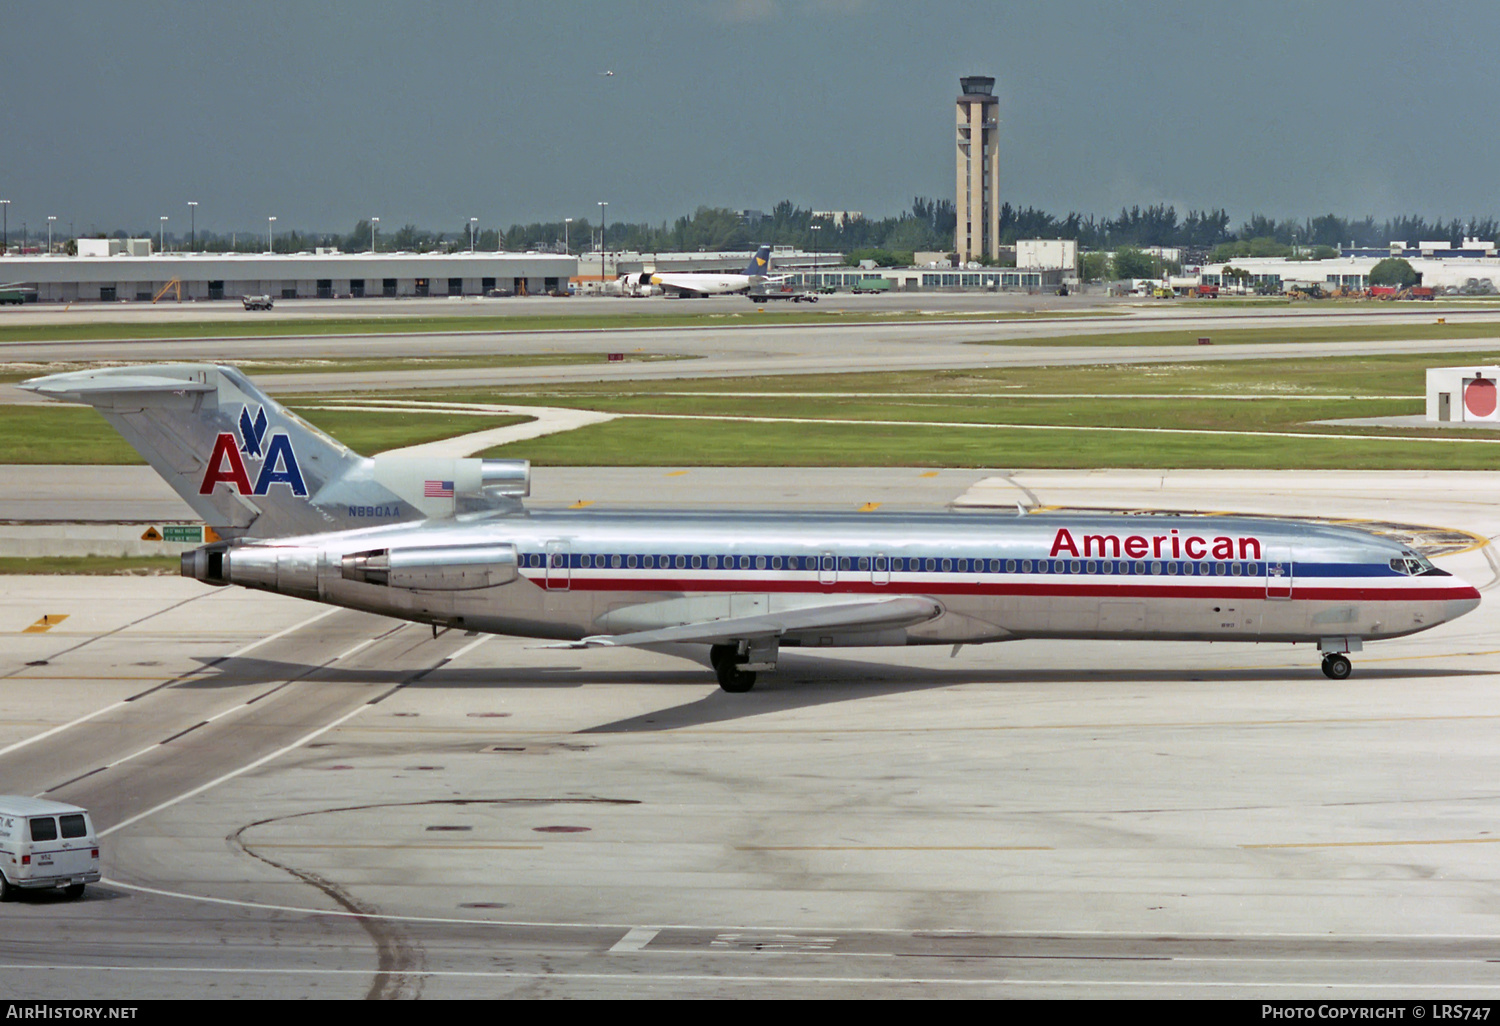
x: 927, y: 225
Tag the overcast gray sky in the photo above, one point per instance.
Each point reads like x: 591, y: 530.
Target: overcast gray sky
x: 116, y: 112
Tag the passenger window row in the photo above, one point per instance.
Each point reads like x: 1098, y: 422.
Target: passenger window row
x: 896, y: 564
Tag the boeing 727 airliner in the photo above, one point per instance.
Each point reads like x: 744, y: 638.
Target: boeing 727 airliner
x: 448, y: 542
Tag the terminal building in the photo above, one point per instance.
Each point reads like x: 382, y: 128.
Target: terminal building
x: 1472, y: 269
x: 196, y: 276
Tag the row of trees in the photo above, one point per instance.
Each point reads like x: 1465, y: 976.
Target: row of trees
x: 928, y: 225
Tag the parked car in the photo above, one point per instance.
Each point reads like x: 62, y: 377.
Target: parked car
x: 258, y: 302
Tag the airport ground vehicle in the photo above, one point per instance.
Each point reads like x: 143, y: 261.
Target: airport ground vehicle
x: 258, y: 302
x: 45, y: 844
x: 794, y: 295
x: 16, y: 294
x: 448, y: 542
x: 870, y: 285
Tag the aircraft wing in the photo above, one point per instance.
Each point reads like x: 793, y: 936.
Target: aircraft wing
x: 876, y: 613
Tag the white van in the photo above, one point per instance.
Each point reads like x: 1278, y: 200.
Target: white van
x: 45, y: 844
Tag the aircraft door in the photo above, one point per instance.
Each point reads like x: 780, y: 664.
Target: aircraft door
x: 1279, y: 572
x: 559, y: 573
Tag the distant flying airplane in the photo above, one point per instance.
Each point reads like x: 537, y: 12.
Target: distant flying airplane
x: 607, y: 74
x: 688, y: 284
x: 447, y: 542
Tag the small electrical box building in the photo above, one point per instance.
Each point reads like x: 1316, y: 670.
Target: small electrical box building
x: 1463, y: 394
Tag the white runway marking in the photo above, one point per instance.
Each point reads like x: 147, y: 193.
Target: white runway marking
x: 287, y: 748
x: 116, y: 705
x: 762, y: 930
x: 56, y: 730
x: 635, y: 940
x: 282, y: 633
x: 234, y: 773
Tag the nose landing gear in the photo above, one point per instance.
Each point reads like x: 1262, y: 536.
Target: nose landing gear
x: 1337, y: 666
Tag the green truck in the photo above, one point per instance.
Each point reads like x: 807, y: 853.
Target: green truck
x: 15, y: 294
x: 872, y: 285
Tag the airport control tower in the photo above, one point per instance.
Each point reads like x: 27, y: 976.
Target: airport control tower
x: 977, y: 195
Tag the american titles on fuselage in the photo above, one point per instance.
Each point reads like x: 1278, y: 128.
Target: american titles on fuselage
x: 1137, y: 546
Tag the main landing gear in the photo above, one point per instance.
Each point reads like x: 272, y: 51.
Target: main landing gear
x: 1336, y: 666
x: 726, y: 660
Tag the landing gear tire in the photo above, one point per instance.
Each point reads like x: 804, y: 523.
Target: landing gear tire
x: 1337, y: 667
x: 725, y: 660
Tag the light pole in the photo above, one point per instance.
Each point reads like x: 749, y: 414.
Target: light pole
x: 270, y: 225
x: 817, y: 274
x: 566, y: 221
x: 473, y: 227
x: 162, y: 245
x: 603, y: 222
x: 50, y: 219
x: 374, y: 223
x: 193, y: 237
x: 5, y: 230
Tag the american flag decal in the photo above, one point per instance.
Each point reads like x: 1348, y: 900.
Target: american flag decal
x: 437, y: 490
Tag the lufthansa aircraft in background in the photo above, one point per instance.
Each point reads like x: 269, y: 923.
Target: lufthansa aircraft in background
x: 691, y: 284
x: 447, y: 542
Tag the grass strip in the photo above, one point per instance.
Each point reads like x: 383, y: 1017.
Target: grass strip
x: 634, y: 442
x: 252, y: 327
x: 1134, y: 397
x: 79, y: 435
x: 1281, y: 334
x: 21, y: 370
x: 93, y: 565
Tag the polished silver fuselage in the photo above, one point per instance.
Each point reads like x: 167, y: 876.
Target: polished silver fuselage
x: 578, y: 574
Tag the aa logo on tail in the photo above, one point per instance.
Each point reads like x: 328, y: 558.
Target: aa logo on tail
x: 278, y: 461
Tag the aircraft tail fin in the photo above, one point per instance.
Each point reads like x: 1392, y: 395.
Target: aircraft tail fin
x: 761, y: 265
x: 252, y: 468
x: 242, y: 461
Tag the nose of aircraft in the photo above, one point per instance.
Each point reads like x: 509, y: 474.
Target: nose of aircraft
x: 1462, y: 597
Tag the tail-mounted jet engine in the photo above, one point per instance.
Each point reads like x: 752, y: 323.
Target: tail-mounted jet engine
x: 294, y: 569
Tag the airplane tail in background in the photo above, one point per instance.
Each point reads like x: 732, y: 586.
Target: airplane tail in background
x: 251, y: 468
x: 761, y: 265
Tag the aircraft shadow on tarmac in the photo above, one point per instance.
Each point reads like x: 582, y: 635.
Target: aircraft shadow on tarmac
x: 801, y: 682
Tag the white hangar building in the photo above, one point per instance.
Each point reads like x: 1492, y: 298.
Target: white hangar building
x: 124, y: 277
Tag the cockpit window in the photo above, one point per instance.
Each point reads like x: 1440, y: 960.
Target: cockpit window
x: 1414, y: 566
